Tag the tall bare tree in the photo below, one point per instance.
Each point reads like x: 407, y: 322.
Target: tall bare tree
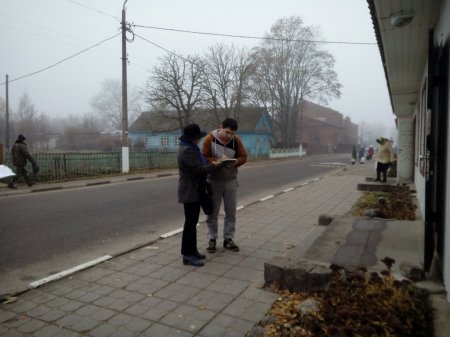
x: 80, y: 133
x: 30, y: 122
x: 108, y: 103
x: 225, y: 77
x: 288, y: 67
x: 176, y: 84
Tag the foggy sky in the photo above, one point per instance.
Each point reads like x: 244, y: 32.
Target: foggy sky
x: 37, y: 34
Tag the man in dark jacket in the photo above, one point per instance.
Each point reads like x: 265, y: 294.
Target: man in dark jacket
x: 20, y: 155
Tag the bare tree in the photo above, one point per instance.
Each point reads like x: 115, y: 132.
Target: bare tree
x: 288, y: 67
x: 80, y: 133
x: 108, y: 103
x: 31, y: 122
x: 176, y: 85
x: 225, y: 77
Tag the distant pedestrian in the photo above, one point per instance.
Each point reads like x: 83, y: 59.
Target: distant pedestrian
x: 370, y: 152
x: 220, y: 145
x: 193, y: 170
x: 353, y: 155
x: 20, y: 156
x: 362, y: 151
x: 385, y: 156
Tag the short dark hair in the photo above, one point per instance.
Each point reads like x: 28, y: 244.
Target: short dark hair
x: 230, y: 123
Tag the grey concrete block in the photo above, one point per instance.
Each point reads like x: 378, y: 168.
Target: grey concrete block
x: 325, y: 219
x: 299, y: 275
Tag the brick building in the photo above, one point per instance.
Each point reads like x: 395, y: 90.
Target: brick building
x: 324, y: 130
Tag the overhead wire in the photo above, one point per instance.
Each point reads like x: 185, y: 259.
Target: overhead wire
x: 38, y: 26
x: 93, y: 9
x: 128, y: 28
x: 63, y: 60
x: 166, y: 50
x: 253, y: 37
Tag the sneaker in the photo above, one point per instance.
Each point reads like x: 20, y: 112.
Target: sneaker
x: 211, y: 246
x: 230, y: 245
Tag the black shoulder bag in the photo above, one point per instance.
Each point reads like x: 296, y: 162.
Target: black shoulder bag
x: 205, y: 195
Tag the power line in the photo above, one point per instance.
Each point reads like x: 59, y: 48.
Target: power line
x: 59, y: 62
x: 166, y: 50
x: 46, y: 37
x: 40, y: 27
x: 93, y: 9
x: 253, y: 37
x: 160, y: 47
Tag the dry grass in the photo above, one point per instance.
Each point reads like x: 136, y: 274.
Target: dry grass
x: 387, y: 205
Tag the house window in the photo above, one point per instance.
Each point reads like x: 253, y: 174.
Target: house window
x: 143, y: 140
x: 176, y: 141
x: 316, y: 137
x: 164, y: 141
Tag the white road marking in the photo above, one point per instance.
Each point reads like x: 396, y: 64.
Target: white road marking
x: 265, y: 198
x: 176, y: 231
x: 64, y: 273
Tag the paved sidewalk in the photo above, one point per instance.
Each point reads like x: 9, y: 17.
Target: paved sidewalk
x: 149, y: 292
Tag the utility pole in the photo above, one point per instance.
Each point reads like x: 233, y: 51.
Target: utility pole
x: 125, y: 148
x: 7, y: 116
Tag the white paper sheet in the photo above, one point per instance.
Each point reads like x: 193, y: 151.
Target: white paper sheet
x: 5, y: 171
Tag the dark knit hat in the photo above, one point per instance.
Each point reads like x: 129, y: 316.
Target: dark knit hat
x: 21, y: 138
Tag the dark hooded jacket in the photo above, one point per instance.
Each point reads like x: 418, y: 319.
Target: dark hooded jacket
x: 20, y: 154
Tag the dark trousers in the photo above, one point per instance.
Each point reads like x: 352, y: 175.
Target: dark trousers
x: 20, y: 171
x: 189, y: 238
x: 382, y: 168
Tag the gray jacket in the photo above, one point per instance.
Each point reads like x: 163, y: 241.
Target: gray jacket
x: 192, y: 172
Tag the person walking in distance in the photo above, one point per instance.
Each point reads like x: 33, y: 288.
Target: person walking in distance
x: 370, y: 152
x: 20, y: 156
x: 224, y: 146
x: 193, y: 169
x: 385, y: 156
x: 362, y: 150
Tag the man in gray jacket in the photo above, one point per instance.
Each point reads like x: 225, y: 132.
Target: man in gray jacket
x: 20, y: 155
x: 223, y: 145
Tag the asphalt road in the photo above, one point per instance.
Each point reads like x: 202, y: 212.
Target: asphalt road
x: 44, y: 233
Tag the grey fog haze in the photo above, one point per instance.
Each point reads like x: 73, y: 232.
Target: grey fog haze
x: 37, y: 34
